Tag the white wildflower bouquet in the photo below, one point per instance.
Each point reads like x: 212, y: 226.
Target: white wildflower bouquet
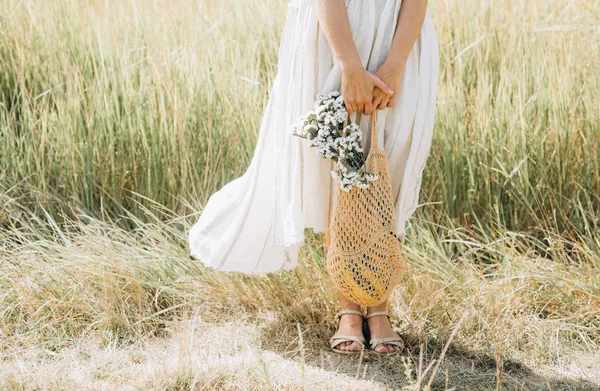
x: 325, y: 128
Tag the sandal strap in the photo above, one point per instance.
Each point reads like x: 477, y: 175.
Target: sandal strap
x: 378, y: 313
x: 338, y: 339
x: 354, y: 312
x: 387, y: 340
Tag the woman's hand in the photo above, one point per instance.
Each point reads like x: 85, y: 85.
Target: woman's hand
x: 392, y: 76
x: 359, y: 87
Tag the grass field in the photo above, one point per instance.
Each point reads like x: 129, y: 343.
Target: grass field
x: 119, y: 119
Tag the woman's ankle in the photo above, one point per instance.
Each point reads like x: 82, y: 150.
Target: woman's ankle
x: 347, y: 304
x: 379, y: 307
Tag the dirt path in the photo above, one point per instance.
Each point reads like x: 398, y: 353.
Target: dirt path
x: 243, y: 356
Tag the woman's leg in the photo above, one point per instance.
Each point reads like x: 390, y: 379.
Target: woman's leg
x: 379, y: 326
x: 350, y: 324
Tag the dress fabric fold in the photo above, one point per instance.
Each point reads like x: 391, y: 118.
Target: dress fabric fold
x: 255, y: 223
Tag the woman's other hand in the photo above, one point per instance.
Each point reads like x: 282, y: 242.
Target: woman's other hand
x: 392, y: 76
x: 359, y: 87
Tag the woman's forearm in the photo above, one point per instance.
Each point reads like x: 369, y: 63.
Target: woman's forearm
x: 334, y: 22
x: 357, y: 84
x: 410, y: 20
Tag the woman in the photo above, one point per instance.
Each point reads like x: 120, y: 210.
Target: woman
x: 383, y: 54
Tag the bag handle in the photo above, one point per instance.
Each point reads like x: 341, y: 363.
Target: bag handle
x: 374, y: 136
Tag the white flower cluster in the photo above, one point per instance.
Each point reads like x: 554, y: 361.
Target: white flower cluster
x: 325, y: 128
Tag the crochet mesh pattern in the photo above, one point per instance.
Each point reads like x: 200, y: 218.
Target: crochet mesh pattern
x: 363, y: 258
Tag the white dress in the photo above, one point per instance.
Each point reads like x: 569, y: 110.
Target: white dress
x: 255, y: 223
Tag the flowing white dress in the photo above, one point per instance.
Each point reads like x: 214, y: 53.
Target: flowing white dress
x: 255, y: 223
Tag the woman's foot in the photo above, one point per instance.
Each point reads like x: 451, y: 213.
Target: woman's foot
x: 380, y: 327
x: 350, y: 324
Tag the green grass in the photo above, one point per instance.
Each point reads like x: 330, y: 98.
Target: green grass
x: 104, y: 104
x: 119, y: 119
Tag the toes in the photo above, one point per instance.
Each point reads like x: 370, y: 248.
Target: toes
x: 383, y: 348
x: 347, y: 345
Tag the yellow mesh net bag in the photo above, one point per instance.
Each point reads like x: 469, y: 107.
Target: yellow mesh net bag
x: 363, y: 257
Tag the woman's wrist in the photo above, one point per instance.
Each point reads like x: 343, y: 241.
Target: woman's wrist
x: 351, y: 64
x: 394, y: 61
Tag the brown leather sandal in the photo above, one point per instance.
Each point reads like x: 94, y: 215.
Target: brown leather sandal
x: 338, y: 339
x: 385, y: 340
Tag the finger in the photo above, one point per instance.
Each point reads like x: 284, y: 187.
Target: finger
x: 378, y: 97
x: 360, y: 107
x: 368, y: 108
x: 381, y: 85
x: 349, y: 107
x: 392, y: 101
x: 383, y: 104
